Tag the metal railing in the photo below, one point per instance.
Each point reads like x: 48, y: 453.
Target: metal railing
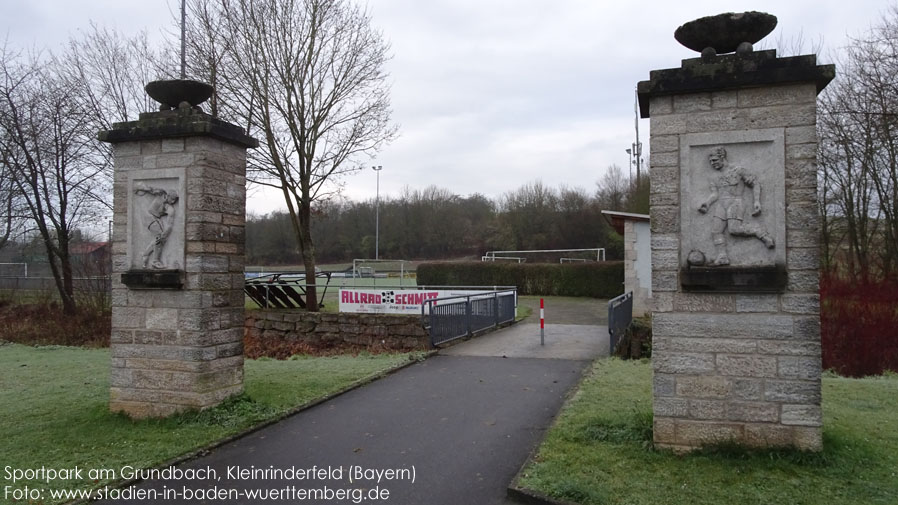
x: 283, y: 290
x: 48, y: 284
x: 452, y: 317
x: 620, y: 313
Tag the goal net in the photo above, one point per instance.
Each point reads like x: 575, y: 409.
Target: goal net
x: 547, y: 255
x: 366, y: 268
x: 13, y: 269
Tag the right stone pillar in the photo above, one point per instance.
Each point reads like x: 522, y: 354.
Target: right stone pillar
x: 734, y: 219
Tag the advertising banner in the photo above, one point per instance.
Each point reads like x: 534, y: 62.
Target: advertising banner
x: 393, y: 301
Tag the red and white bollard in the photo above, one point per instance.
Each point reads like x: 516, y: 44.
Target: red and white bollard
x: 542, y: 322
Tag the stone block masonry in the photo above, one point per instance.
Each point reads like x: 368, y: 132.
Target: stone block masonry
x: 178, y: 261
x: 737, y: 356
x: 281, y: 333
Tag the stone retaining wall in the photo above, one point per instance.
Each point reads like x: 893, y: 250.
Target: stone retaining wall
x: 276, y: 332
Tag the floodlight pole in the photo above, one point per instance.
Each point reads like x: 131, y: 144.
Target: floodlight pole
x: 637, y: 146
x: 183, y: 40
x: 377, y: 214
x: 630, y: 165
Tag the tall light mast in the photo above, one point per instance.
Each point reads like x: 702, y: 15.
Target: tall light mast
x: 637, y: 146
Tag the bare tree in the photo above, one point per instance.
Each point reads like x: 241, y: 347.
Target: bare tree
x: 858, y: 154
x: 307, y: 77
x: 108, y: 71
x: 12, y: 213
x: 579, y: 221
x: 793, y: 45
x: 47, y: 153
x: 528, y: 214
x: 105, y: 73
x: 207, y: 43
x: 850, y: 216
x: 612, y: 189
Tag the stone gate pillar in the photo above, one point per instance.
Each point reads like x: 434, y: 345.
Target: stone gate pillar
x: 178, y: 261
x: 736, y: 331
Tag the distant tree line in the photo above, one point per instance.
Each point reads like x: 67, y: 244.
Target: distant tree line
x: 434, y: 223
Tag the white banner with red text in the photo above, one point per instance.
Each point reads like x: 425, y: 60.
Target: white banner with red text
x: 395, y: 301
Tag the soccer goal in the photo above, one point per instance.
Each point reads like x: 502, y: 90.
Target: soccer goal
x: 548, y: 255
x: 395, y: 270
x: 13, y: 269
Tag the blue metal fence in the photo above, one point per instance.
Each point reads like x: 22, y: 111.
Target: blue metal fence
x: 452, y: 317
x: 620, y: 313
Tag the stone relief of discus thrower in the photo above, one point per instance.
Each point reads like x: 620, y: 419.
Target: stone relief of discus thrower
x: 161, y: 210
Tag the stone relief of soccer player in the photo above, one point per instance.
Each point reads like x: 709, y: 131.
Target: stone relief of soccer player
x: 162, y: 213
x: 726, y: 205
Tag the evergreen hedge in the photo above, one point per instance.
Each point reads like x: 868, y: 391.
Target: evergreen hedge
x: 597, y: 280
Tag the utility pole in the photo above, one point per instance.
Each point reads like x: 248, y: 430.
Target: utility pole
x: 183, y: 40
x: 637, y: 146
x: 377, y: 214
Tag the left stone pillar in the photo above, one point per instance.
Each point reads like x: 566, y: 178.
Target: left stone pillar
x: 178, y: 260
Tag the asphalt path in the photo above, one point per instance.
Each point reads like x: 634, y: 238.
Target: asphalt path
x: 575, y: 328
x: 461, y: 425
x: 453, y: 429
x: 556, y: 341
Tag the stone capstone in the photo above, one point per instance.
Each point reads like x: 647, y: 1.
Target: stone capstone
x: 725, y: 32
x: 730, y: 72
x: 175, y: 124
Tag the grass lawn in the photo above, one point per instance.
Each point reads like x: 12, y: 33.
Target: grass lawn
x: 599, y: 451
x: 54, y: 409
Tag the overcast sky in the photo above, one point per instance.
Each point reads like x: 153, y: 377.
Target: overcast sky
x: 492, y: 94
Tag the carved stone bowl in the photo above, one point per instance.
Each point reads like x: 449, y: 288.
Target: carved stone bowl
x: 171, y: 93
x: 725, y: 32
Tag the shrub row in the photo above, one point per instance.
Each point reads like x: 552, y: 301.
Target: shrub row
x: 43, y: 323
x: 858, y: 322
x: 597, y: 280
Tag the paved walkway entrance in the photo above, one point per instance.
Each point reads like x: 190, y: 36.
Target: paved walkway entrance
x: 462, y: 425
x: 575, y: 329
x: 452, y: 429
x: 562, y: 341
